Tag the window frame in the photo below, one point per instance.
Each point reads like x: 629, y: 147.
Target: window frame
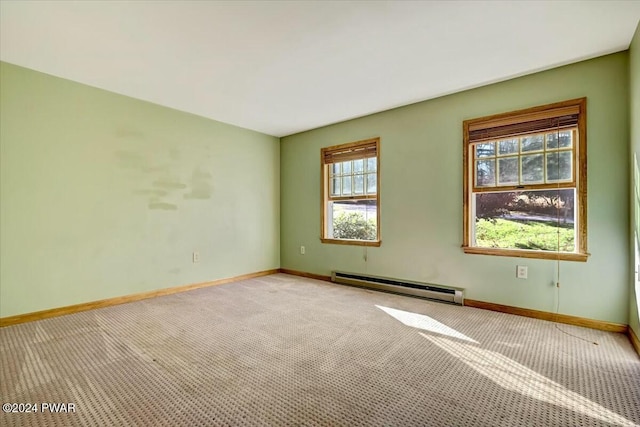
x: 325, y: 196
x: 513, y: 119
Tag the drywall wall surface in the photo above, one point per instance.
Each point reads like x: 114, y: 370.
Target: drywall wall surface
x: 634, y: 114
x: 421, y: 195
x: 103, y: 195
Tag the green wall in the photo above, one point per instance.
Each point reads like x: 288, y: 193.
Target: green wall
x: 421, y: 195
x: 634, y: 85
x: 104, y: 195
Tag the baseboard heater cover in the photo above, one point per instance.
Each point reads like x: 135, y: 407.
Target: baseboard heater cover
x: 406, y: 287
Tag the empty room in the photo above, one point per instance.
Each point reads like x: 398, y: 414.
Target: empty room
x: 319, y: 213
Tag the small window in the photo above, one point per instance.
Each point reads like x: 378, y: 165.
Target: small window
x: 525, y: 183
x: 351, y: 193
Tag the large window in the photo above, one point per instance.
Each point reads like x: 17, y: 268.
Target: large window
x: 351, y: 193
x: 525, y: 183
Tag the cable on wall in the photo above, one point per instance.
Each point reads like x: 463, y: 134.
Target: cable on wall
x: 557, y: 310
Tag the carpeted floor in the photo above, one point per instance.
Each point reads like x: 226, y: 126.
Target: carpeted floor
x: 283, y: 350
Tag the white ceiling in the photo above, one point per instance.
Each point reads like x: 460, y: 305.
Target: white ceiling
x: 286, y: 67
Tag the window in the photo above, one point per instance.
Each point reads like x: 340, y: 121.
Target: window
x: 351, y: 193
x: 525, y: 183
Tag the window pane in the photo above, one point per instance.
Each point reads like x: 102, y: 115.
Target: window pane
x: 353, y: 219
x: 508, y: 168
x: 559, y: 166
x: 526, y: 220
x: 346, y: 167
x: 564, y: 137
x: 532, y: 143
x: 358, y: 183
x: 532, y: 169
x: 335, y: 168
x: 508, y: 146
x: 487, y: 149
x: 346, y: 186
x: 485, y: 173
x: 335, y: 186
x: 371, y: 183
x: 358, y: 166
x: 372, y: 164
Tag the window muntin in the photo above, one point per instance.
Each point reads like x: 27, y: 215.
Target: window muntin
x: 353, y: 178
x: 525, y: 183
x: 525, y: 160
x: 350, y: 193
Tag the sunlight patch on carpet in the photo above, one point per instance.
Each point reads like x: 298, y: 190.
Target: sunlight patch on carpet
x: 424, y: 322
x: 513, y: 376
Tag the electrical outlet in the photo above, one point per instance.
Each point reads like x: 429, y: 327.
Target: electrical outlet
x: 302, y: 250
x: 521, y: 272
x: 196, y: 257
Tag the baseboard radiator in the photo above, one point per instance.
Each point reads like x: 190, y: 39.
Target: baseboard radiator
x: 406, y: 287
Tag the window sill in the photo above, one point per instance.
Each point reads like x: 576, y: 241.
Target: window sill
x: 521, y: 253
x: 352, y: 242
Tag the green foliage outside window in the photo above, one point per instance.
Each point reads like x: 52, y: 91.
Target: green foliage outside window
x: 353, y: 225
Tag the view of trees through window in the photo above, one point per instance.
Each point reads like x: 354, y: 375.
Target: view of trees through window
x: 351, y: 198
x: 525, y: 183
x: 538, y: 220
x: 532, y: 159
x: 354, y: 220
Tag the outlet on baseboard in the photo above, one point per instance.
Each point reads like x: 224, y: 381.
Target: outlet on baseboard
x: 521, y: 271
x: 196, y: 257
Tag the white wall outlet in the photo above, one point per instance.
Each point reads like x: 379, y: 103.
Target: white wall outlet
x: 521, y: 271
x: 302, y: 250
x: 196, y: 257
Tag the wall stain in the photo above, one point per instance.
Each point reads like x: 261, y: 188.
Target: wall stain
x: 163, y: 206
x: 201, y: 187
x: 163, y: 183
x: 169, y: 185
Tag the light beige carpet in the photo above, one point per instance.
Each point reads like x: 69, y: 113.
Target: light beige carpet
x: 283, y: 350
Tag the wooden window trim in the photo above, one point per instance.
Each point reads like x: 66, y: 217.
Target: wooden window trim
x: 507, y: 188
x: 574, y: 106
x: 549, y: 111
x: 363, y: 197
x: 513, y: 124
x: 353, y: 150
x: 352, y: 242
x: 340, y: 153
x: 523, y: 253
